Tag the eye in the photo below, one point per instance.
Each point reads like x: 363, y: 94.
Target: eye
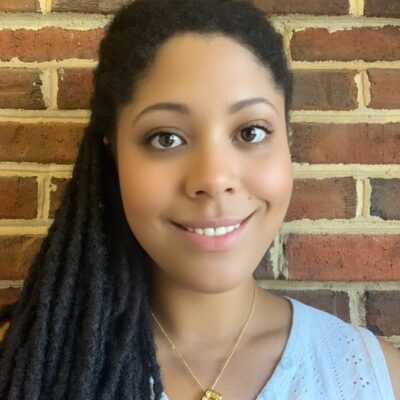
x: 255, y: 131
x: 164, y: 139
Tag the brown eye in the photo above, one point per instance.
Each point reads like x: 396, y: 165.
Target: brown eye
x: 163, y: 139
x: 254, y: 132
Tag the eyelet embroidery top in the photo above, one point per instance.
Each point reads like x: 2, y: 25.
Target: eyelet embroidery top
x: 326, y: 358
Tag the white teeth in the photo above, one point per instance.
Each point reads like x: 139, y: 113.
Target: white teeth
x: 222, y: 230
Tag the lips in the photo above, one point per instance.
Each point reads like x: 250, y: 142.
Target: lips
x: 214, y: 243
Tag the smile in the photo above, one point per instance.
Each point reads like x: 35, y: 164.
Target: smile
x: 214, y: 239
x: 220, y: 231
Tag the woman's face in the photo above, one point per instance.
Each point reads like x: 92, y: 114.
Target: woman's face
x: 205, y: 158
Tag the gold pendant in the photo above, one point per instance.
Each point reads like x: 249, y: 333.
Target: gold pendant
x: 211, y: 395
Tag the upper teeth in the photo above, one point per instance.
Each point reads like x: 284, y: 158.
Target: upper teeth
x: 221, y: 230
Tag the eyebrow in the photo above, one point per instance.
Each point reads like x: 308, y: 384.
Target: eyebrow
x: 184, y: 109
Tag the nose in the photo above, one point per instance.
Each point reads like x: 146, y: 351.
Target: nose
x: 211, y: 172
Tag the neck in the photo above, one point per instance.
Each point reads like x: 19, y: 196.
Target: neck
x: 201, y: 319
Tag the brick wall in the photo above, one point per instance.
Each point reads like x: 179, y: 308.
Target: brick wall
x: 339, y: 248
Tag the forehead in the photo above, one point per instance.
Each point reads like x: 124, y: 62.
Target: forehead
x: 205, y: 67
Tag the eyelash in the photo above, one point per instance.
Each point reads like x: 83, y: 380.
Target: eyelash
x: 148, y: 140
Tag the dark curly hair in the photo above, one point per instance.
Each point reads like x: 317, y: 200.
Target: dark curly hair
x: 81, y: 328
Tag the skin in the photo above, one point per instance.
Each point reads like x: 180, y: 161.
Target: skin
x: 208, y: 170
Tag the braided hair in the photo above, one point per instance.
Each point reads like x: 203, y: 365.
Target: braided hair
x: 81, y: 328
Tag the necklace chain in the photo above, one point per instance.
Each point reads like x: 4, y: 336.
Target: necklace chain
x: 230, y: 355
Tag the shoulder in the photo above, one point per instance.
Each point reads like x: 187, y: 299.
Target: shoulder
x: 392, y: 356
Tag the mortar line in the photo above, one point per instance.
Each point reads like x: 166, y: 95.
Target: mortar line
x: 367, y: 198
x: 360, y: 197
x: 277, y: 256
x: 318, y: 65
x: 65, y: 63
x: 46, y: 87
x: 54, y: 88
x: 335, y: 65
x: 6, y: 284
x: 366, y: 88
x: 83, y: 21
x: 334, y: 286
x: 46, y: 197
x: 360, y: 92
x: 356, y: 306
x: 354, y: 226
x: 40, y: 196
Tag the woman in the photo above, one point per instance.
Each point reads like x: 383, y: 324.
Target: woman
x: 144, y: 286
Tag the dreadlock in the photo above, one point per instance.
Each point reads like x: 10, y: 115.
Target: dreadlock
x: 81, y: 328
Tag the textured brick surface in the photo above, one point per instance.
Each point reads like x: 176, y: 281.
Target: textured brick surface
x: 88, y: 6
x: 8, y: 296
x: 343, y: 257
x: 18, y: 197
x: 56, y: 194
x: 324, y: 90
x: 385, y: 88
x: 369, y: 44
x: 74, y: 88
x: 317, y: 143
x: 19, y: 5
x: 383, y: 316
x: 17, y: 254
x: 382, y: 8
x: 49, y: 43
x: 43, y: 143
x: 264, y: 269
x: 328, y: 198
x: 385, y: 199
x: 311, y: 7
x: 21, y: 88
x: 336, y: 303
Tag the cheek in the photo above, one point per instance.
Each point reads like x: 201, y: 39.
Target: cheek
x: 274, y: 180
x: 143, y: 194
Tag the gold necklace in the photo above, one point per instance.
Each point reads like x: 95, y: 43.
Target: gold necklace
x: 210, y: 394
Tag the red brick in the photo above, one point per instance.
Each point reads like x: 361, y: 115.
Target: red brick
x: 74, y: 88
x: 49, y: 43
x: 19, y: 5
x: 317, y: 143
x: 382, y: 8
x: 21, y: 88
x: 324, y: 90
x: 368, y: 44
x: 385, y: 198
x: 264, y: 268
x: 385, y: 88
x: 9, y: 296
x: 336, y: 303
x: 56, y: 195
x: 330, y: 198
x: 43, y: 143
x: 88, y: 6
x: 343, y: 257
x: 18, y: 197
x: 17, y: 254
x: 311, y: 7
x: 383, y: 316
